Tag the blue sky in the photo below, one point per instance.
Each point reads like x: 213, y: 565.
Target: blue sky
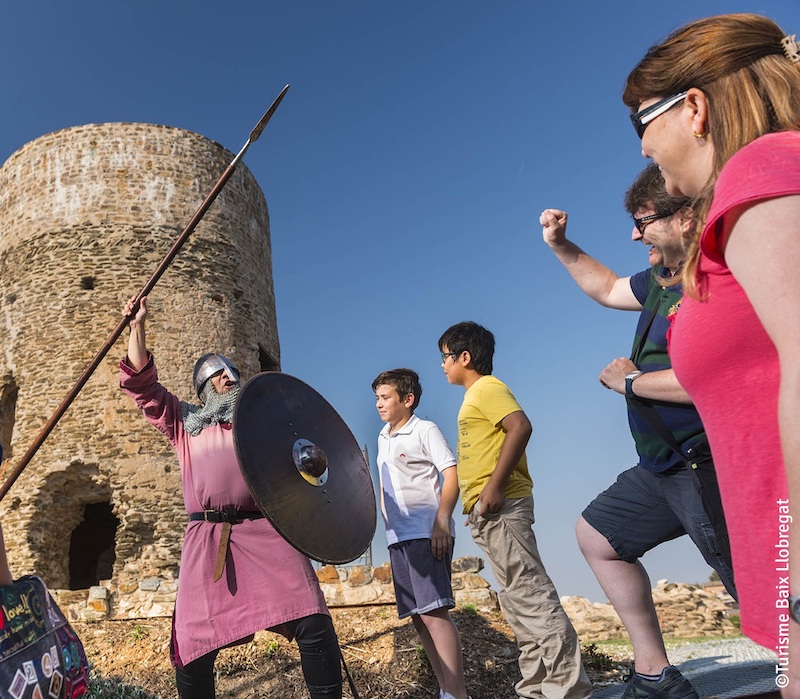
x: 404, y: 174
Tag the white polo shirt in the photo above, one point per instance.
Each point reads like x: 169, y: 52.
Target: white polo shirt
x: 409, y: 463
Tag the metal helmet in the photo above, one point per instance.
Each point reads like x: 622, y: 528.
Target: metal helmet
x: 210, y: 365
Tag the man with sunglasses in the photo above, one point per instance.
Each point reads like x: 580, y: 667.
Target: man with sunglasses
x: 659, y: 499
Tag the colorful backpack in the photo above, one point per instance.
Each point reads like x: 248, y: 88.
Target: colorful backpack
x: 41, y: 657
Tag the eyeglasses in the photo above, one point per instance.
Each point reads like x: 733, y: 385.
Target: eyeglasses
x: 641, y: 223
x: 642, y: 118
x: 445, y: 355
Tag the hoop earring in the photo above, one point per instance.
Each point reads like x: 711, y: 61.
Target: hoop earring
x: 699, y: 135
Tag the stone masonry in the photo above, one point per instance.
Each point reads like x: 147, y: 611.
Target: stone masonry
x: 683, y: 610
x: 343, y: 586
x: 86, y: 216
x: 360, y: 585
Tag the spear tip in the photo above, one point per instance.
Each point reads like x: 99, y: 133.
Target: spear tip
x: 259, y: 127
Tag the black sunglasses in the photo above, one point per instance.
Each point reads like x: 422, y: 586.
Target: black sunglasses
x: 642, y: 118
x: 641, y: 223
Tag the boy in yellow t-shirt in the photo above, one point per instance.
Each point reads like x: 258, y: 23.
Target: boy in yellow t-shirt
x: 493, y: 432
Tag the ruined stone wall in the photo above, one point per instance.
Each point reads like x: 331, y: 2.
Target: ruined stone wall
x: 360, y: 585
x: 683, y: 611
x: 86, y: 216
x: 343, y: 586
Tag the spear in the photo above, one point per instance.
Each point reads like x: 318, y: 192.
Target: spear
x: 112, y: 338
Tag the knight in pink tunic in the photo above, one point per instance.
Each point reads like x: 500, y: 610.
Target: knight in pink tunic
x: 262, y: 581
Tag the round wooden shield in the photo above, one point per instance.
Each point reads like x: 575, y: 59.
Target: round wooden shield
x: 304, y: 468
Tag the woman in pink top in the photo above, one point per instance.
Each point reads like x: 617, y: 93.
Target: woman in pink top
x: 227, y: 590
x: 717, y: 106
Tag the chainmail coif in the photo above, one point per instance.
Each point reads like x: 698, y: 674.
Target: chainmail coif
x: 216, y: 407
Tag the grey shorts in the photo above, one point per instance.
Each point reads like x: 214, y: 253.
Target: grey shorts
x: 643, y: 509
x: 421, y: 581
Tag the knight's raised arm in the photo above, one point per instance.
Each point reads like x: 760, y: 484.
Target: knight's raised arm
x: 137, y: 344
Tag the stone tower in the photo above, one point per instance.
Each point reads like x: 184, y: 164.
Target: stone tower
x: 86, y: 216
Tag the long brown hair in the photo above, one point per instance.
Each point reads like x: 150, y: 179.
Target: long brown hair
x: 751, y: 86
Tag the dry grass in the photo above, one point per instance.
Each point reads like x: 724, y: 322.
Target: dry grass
x: 382, y: 653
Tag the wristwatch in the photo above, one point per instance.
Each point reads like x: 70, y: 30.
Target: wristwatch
x: 629, y: 379
x: 794, y: 608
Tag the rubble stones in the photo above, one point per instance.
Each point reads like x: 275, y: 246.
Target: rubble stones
x: 683, y: 610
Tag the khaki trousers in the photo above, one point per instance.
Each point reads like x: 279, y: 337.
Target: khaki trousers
x: 550, y: 655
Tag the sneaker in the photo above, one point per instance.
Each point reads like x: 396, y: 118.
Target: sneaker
x: 671, y: 684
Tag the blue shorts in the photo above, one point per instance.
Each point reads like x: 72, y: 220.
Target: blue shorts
x: 421, y: 581
x: 643, y: 509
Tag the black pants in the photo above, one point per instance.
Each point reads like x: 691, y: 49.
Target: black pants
x: 319, y: 657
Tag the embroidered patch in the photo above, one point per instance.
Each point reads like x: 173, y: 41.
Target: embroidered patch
x: 55, y: 684
x: 17, y: 688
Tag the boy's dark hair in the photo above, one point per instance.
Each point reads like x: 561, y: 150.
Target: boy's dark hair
x: 404, y: 381
x: 649, y: 190
x: 473, y: 338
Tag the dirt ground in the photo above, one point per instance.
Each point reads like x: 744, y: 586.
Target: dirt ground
x: 382, y: 654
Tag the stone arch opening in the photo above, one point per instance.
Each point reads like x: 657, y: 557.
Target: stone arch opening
x: 266, y: 360
x: 92, y: 546
x: 60, y: 507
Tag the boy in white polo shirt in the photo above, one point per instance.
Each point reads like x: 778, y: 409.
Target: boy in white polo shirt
x: 417, y: 511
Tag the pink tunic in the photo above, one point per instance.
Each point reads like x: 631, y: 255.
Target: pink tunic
x: 266, y: 582
x: 726, y: 361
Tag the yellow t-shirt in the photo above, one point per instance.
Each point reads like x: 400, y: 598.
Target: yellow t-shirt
x: 480, y: 438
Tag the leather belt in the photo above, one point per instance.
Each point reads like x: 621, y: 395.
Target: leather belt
x: 227, y: 516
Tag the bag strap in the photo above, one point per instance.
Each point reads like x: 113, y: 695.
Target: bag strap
x: 646, y: 409
x: 652, y: 307
x: 652, y: 418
